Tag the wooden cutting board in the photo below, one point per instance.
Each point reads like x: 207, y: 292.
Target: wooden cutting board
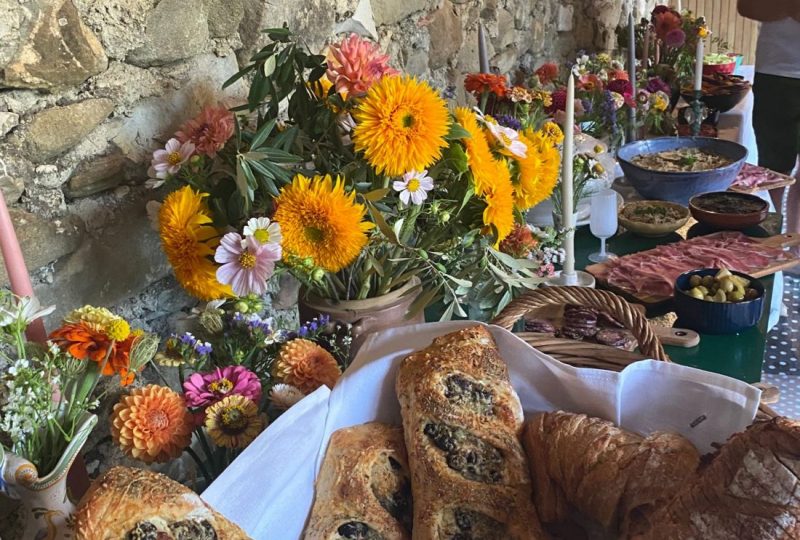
x: 782, y: 180
x: 777, y: 241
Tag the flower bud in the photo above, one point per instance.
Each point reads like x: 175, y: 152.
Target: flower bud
x: 318, y: 274
x: 241, y: 306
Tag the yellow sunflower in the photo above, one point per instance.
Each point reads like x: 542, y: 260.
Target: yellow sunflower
x: 499, y: 212
x: 400, y: 125
x: 537, y: 172
x: 189, y: 239
x: 552, y: 132
x: 479, y: 156
x: 319, y: 220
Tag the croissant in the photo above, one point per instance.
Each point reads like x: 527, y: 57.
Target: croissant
x: 462, y: 421
x: 363, y: 488
x: 749, y: 491
x: 133, y: 504
x: 608, y: 474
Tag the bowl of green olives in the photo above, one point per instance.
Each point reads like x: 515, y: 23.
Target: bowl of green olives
x: 718, y: 301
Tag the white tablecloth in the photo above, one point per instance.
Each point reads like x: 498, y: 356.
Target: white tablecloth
x: 737, y: 124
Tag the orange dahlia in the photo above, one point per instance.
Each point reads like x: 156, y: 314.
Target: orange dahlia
x: 306, y: 365
x: 152, y: 424
x: 478, y: 83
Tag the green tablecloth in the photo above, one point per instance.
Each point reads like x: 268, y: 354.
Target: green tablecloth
x: 739, y: 356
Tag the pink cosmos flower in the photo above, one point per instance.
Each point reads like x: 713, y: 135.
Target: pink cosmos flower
x: 204, y: 389
x: 355, y: 64
x: 209, y: 131
x: 246, y: 264
x: 168, y: 161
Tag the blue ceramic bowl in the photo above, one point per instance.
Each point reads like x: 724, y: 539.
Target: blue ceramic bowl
x: 679, y: 187
x: 716, y: 317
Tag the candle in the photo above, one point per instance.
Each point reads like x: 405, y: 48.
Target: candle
x: 646, y: 49
x: 567, y: 216
x: 483, y: 57
x: 680, y: 10
x: 657, y: 58
x: 631, y: 74
x: 17, y: 271
x: 698, y: 66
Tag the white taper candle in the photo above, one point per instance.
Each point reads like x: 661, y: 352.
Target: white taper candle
x: 483, y: 56
x: 567, y: 209
x: 698, y: 67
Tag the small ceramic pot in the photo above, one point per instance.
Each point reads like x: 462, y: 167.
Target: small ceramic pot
x: 366, y: 316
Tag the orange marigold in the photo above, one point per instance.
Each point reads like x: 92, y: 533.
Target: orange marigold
x: 152, y: 424
x: 478, y: 83
x: 306, y: 365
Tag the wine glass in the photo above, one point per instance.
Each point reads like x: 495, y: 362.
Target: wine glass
x: 603, y: 222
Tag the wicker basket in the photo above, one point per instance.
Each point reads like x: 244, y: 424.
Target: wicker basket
x: 589, y: 354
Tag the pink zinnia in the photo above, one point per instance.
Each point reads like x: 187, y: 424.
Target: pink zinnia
x: 355, y: 64
x: 246, y: 264
x: 168, y: 161
x: 621, y: 86
x: 209, y: 131
x: 675, y: 38
x: 204, y: 389
x: 559, y: 98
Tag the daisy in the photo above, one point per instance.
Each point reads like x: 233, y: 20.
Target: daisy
x: 168, y: 161
x: 415, y: 186
x: 246, y: 264
x: 263, y: 230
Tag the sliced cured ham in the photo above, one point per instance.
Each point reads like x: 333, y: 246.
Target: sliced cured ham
x: 653, y: 272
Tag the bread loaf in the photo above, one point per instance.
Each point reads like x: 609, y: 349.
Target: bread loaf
x: 133, y: 504
x: 462, y: 422
x: 608, y: 474
x: 363, y: 490
x: 749, y: 491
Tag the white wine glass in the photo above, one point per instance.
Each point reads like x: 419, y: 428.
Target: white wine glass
x: 603, y: 222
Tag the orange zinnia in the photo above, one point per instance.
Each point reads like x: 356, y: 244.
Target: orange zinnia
x: 82, y: 342
x: 478, y: 83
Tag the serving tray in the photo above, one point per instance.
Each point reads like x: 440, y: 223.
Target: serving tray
x: 777, y: 241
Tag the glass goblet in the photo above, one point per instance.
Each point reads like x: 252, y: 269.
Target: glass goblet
x: 603, y: 222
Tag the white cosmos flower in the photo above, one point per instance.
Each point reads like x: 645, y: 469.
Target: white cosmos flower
x: 506, y: 136
x: 263, y: 230
x: 26, y: 310
x: 414, y: 186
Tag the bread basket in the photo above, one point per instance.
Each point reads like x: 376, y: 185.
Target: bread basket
x: 580, y: 354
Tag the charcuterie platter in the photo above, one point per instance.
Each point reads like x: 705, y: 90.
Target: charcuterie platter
x: 752, y: 179
x: 649, y: 276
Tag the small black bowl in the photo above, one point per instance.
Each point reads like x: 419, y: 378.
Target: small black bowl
x: 709, y: 317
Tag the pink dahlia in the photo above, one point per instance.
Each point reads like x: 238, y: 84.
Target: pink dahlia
x: 209, y: 131
x: 204, y: 389
x: 246, y: 264
x: 355, y: 64
x: 621, y: 86
x: 167, y: 161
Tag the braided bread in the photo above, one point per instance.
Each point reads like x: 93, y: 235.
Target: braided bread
x: 462, y: 421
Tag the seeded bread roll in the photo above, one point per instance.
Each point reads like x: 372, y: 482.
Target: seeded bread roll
x: 363, y: 490
x: 462, y: 422
x: 133, y: 504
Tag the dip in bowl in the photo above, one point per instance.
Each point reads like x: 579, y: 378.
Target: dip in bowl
x: 652, y: 219
x: 728, y: 210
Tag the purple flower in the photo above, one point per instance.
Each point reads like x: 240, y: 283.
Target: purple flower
x: 449, y: 92
x: 610, y: 111
x: 587, y: 106
x: 187, y: 339
x: 509, y: 121
x: 655, y: 84
x: 324, y: 319
x: 202, y: 348
x: 675, y: 38
x: 303, y: 331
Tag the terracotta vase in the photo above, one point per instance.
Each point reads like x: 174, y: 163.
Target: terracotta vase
x: 366, y: 316
x: 45, y: 502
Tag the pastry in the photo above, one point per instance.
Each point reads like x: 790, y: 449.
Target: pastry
x: 539, y: 326
x: 462, y: 421
x: 363, y: 489
x: 609, y: 475
x: 134, y: 504
x: 749, y: 491
x: 613, y: 337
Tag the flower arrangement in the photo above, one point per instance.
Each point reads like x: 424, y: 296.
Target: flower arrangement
x: 236, y: 371
x: 354, y: 178
x: 48, y: 388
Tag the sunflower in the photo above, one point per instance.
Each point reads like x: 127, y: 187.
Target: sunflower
x: 234, y: 422
x: 319, y: 220
x: 401, y: 125
x: 479, y: 156
x: 499, y: 212
x: 537, y: 172
x: 189, y: 239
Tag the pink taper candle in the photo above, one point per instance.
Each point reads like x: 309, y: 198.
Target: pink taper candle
x: 17, y: 271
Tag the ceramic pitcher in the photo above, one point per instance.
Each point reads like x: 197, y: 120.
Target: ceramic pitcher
x: 46, y: 506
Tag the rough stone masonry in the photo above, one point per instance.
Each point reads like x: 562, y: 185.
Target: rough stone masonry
x: 89, y: 88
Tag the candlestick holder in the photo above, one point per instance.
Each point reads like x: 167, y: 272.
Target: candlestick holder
x: 578, y: 278
x: 697, y: 112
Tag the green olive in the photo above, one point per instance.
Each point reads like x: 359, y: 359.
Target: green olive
x: 696, y: 293
x: 735, y: 296
x: 726, y: 285
x: 751, y: 294
x: 702, y: 289
x: 708, y: 280
x: 708, y: 298
x: 695, y: 280
x: 719, y: 297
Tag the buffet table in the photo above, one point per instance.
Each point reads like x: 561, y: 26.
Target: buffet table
x: 740, y: 356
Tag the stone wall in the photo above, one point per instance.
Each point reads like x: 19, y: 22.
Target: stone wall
x: 88, y: 88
